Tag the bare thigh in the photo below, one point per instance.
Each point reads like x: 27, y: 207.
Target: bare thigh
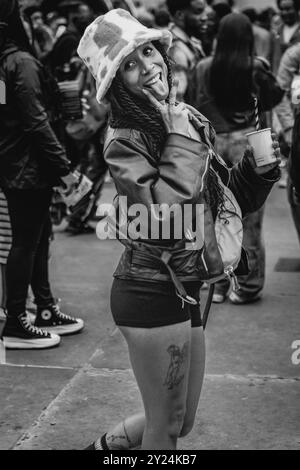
x: 160, y: 359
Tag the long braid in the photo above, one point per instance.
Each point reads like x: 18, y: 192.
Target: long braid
x: 214, y: 194
x: 131, y: 112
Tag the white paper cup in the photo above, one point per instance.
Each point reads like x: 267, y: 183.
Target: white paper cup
x: 262, y: 144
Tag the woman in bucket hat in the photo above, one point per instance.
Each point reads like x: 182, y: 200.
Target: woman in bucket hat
x: 161, y: 152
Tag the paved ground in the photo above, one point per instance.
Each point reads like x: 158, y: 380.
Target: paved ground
x: 60, y: 398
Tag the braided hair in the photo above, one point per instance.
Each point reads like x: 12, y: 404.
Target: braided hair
x: 131, y: 112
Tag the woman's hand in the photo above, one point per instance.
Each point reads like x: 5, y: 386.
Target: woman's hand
x: 175, y: 116
x: 261, y: 170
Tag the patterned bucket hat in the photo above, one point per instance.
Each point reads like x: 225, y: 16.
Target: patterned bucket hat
x: 109, y: 40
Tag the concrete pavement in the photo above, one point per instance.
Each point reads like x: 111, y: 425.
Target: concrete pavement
x: 61, y: 398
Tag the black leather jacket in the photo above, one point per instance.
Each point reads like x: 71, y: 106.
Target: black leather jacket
x: 30, y: 154
x: 177, y: 177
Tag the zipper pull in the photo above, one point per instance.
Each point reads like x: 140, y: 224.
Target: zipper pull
x: 232, y: 277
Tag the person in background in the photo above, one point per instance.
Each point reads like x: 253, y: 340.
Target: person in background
x: 64, y: 50
x: 288, y: 112
x: 286, y: 35
x: 265, y: 18
x: 162, y: 17
x: 288, y: 32
x: 262, y: 37
x: 42, y: 33
x: 32, y: 162
x: 57, y: 23
x: 226, y: 86
x: 189, y: 24
x: 208, y: 39
x: 221, y: 8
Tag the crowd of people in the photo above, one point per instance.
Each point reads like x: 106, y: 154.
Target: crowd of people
x: 94, y: 84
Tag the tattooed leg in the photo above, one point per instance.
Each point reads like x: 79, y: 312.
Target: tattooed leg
x: 127, y: 434
x: 160, y: 362
x: 177, y: 365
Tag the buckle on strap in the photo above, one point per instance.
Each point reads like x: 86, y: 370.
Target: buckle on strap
x: 180, y: 290
x: 187, y: 299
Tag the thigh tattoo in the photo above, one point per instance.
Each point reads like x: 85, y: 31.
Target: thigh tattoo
x: 178, y: 356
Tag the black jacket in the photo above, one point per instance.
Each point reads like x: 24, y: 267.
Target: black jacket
x: 30, y: 154
x: 177, y: 177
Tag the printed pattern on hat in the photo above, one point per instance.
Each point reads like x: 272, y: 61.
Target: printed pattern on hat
x: 109, y: 40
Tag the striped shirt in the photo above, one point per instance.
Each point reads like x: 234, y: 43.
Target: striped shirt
x: 5, y: 230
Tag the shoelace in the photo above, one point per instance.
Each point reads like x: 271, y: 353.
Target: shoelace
x: 33, y: 329
x: 62, y: 315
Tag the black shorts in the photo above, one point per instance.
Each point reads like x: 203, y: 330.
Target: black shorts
x: 143, y: 304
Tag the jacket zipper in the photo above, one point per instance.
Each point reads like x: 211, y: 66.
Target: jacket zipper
x: 206, y: 169
x: 204, y: 262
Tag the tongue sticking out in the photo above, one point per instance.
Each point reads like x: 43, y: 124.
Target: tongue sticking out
x: 158, y: 89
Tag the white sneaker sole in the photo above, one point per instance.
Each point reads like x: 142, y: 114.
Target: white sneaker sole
x: 11, y: 342
x: 218, y: 299
x: 65, y: 329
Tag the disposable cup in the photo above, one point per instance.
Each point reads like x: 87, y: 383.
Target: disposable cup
x: 262, y: 144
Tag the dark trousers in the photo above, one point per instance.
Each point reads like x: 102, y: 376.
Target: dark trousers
x: 27, y: 263
x: 295, y: 208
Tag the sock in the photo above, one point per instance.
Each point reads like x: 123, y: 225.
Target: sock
x: 101, y: 444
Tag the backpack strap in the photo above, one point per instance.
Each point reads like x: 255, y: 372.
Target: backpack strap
x: 152, y: 261
x: 208, y: 305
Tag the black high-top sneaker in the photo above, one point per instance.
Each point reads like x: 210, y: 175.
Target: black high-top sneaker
x: 19, y: 333
x: 51, y: 319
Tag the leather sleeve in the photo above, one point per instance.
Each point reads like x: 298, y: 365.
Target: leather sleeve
x: 269, y: 91
x: 29, y: 102
x: 176, y: 179
x: 251, y: 190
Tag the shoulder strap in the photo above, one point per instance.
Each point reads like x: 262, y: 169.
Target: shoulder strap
x: 147, y: 259
x: 208, y: 305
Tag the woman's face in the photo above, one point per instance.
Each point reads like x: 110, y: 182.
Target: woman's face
x: 145, y: 69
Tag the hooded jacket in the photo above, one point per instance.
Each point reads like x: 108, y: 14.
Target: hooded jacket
x: 30, y: 154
